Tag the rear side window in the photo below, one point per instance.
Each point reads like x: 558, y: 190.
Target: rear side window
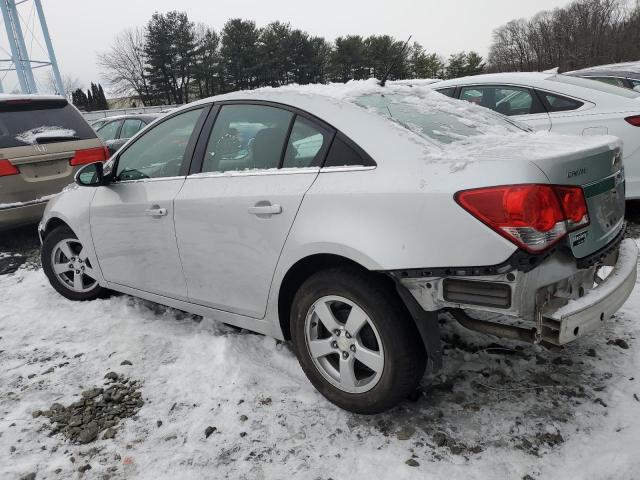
x: 30, y: 122
x: 307, y: 145
x: 558, y: 103
x: 507, y: 100
x: 449, y: 91
x: 618, y: 82
x: 342, y: 154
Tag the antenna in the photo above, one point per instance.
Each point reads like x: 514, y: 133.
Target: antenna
x: 383, y: 81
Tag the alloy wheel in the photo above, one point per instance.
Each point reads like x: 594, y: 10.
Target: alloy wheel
x: 344, y: 344
x: 72, y: 267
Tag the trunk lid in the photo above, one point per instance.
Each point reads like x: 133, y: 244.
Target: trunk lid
x: 600, y: 173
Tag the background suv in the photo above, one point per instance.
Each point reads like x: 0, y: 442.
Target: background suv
x: 43, y: 142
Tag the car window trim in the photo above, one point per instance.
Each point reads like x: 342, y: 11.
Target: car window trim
x: 200, y: 150
x: 188, y: 153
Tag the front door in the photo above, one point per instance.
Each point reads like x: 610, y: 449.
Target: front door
x: 233, y: 218
x: 132, y: 218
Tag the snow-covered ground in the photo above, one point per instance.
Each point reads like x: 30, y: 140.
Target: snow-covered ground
x: 498, y: 410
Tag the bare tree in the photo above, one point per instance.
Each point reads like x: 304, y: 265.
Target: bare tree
x: 70, y: 84
x: 123, y: 65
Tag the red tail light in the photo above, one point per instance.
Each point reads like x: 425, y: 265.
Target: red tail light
x: 532, y: 216
x: 7, y: 168
x: 635, y: 120
x: 90, y: 155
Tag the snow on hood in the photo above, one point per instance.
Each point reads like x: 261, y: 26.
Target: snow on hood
x: 466, y: 131
x: 31, y: 136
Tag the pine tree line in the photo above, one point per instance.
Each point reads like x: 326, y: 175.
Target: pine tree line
x: 94, y: 99
x: 173, y: 60
x: 583, y: 34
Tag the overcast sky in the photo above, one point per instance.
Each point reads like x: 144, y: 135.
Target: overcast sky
x: 442, y: 26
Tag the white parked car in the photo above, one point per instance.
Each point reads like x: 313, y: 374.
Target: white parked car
x: 561, y: 104
x: 346, y: 218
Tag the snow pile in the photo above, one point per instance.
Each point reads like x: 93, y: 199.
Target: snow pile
x: 219, y: 403
x: 32, y: 136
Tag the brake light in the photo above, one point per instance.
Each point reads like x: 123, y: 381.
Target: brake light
x: 7, y: 168
x: 532, y: 216
x: 635, y: 120
x: 90, y: 155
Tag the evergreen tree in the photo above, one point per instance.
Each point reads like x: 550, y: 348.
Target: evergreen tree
x: 348, y: 60
x: 170, y: 51
x: 207, y: 68
x: 240, y: 54
x: 424, y: 65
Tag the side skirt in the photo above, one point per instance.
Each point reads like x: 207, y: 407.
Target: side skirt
x: 263, y: 326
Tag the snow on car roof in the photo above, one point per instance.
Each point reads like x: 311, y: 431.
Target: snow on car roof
x: 22, y: 96
x: 348, y: 107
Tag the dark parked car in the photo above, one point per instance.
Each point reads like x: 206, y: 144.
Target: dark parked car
x: 117, y: 130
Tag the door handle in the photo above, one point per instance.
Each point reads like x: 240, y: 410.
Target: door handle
x: 265, y: 209
x: 156, y: 212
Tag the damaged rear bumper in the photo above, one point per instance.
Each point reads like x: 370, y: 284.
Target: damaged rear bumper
x: 584, y: 315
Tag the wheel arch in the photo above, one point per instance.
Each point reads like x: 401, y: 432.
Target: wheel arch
x: 303, y: 269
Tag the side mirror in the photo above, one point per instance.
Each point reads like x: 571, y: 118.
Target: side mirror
x: 91, y: 175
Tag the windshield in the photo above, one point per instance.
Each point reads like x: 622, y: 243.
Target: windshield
x: 31, y: 122
x: 443, y: 123
x: 594, y: 85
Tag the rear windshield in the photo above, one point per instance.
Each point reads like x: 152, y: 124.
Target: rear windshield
x: 594, y: 85
x: 36, y: 122
x: 444, y: 124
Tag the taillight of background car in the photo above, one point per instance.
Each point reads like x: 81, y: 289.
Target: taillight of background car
x: 90, y: 155
x: 7, y: 168
x: 533, y: 216
x: 634, y: 120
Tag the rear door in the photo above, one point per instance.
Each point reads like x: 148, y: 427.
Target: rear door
x: 39, y: 138
x: 513, y: 101
x: 234, y: 213
x: 132, y: 218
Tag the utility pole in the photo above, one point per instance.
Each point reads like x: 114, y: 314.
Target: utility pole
x: 20, y: 61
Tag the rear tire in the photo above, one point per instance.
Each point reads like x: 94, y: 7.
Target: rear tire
x: 356, y: 341
x: 67, y: 267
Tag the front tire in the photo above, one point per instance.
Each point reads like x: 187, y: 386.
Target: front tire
x: 356, y: 341
x: 67, y: 267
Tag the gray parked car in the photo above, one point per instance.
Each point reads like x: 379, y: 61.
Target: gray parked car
x: 115, y: 131
x: 346, y: 218
x: 626, y: 75
x: 43, y: 142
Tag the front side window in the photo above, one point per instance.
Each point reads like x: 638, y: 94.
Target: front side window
x: 160, y: 151
x: 306, y: 146
x: 506, y: 100
x: 558, y: 103
x: 247, y: 137
x: 109, y: 131
x: 634, y: 83
x: 130, y: 127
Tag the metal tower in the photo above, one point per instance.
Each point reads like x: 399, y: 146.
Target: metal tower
x: 20, y: 61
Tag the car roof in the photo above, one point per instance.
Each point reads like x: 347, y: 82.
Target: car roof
x: 4, y: 97
x: 141, y: 116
